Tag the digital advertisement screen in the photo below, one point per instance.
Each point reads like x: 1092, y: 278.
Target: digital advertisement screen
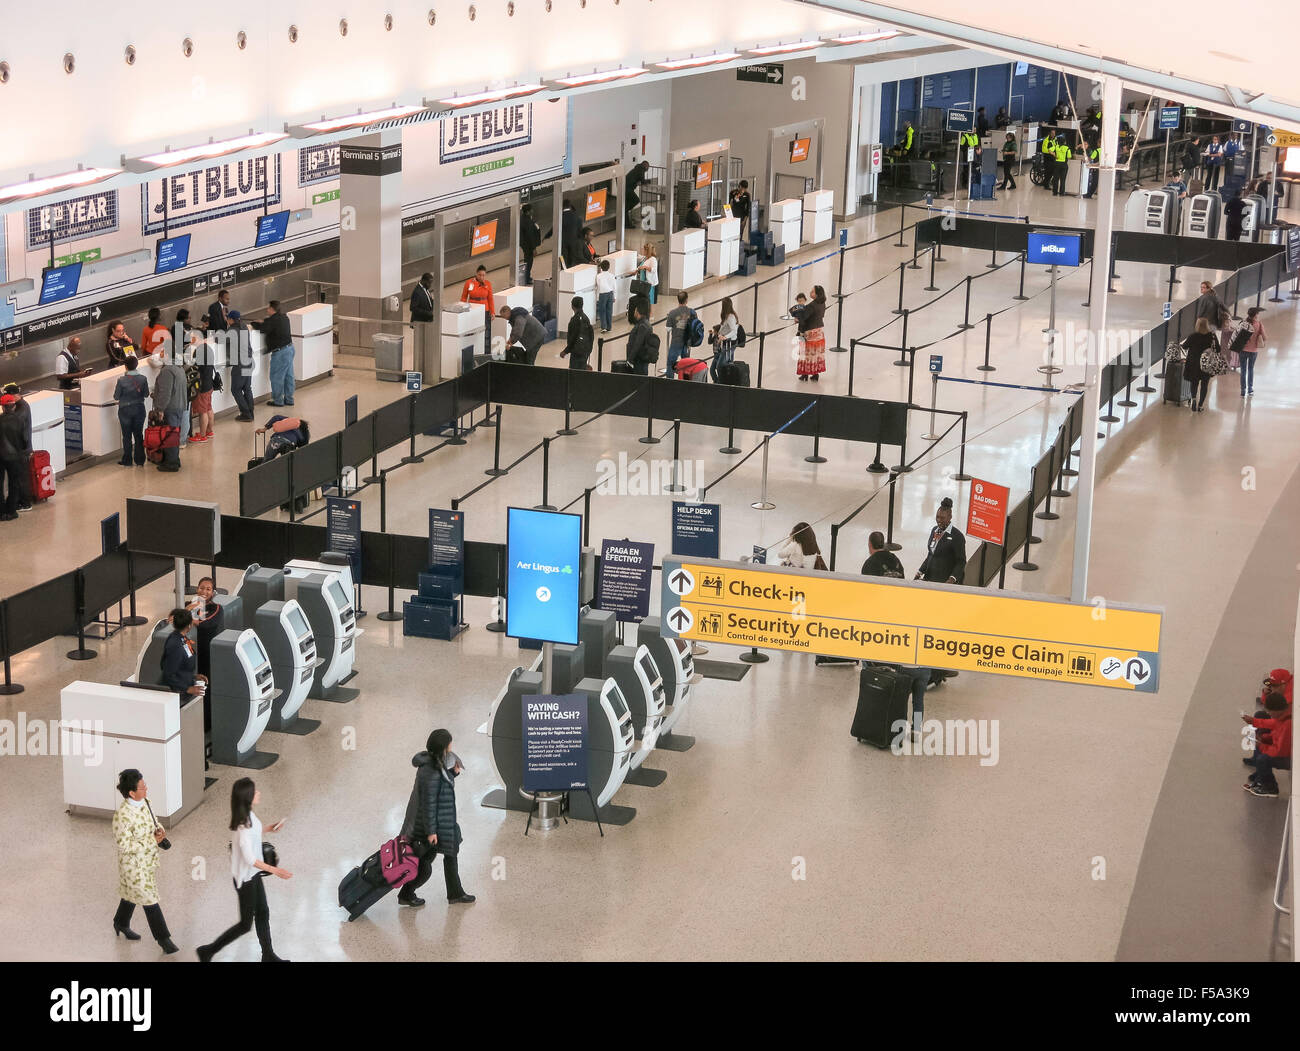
x: 59, y: 283
x: 595, y: 204
x: 271, y: 228
x: 543, y: 552
x: 1054, y: 249
x: 484, y: 238
x: 173, y: 253
x: 799, y: 150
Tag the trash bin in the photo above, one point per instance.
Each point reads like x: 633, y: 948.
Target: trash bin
x: 388, y: 357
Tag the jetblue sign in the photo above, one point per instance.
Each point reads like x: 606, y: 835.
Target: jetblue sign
x: 1054, y: 249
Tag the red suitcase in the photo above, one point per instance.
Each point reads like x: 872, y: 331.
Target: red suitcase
x: 42, y: 475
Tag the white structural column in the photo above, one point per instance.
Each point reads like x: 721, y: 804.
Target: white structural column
x: 1112, y: 89
x: 370, y: 237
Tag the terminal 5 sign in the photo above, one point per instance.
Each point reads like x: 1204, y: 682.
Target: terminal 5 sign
x: 926, y: 625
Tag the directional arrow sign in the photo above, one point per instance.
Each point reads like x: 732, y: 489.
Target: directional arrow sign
x: 763, y: 73
x: 680, y: 619
x: 95, y: 313
x: 681, y: 583
x: 291, y: 259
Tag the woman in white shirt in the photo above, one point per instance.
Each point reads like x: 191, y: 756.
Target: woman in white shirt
x: 247, y: 868
x: 648, y: 269
x: 801, y: 548
x: 723, y: 339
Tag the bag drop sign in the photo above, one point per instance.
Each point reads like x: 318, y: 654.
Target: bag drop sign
x: 210, y: 193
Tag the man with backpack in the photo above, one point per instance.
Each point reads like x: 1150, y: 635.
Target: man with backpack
x: 642, y: 345
x: 579, y: 337
x: 170, y: 398
x: 685, y: 329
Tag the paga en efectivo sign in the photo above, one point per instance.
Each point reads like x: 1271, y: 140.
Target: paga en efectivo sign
x: 927, y: 625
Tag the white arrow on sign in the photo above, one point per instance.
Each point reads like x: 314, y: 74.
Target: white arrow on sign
x: 681, y: 582
x: 94, y: 314
x: 774, y: 75
x: 291, y: 259
x: 680, y: 620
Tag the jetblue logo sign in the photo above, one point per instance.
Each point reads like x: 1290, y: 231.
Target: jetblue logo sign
x: 1054, y: 249
x: 490, y: 131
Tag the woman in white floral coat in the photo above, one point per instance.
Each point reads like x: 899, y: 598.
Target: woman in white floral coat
x: 138, y: 836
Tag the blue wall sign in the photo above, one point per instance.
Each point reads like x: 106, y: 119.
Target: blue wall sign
x: 936, y: 363
x: 697, y: 529
x: 414, y: 382
x: 343, y: 530
x: 625, y: 568
x: 173, y: 253
x: 1054, y: 249
x: 555, y: 742
x: 59, y: 283
x: 447, y: 542
x: 1169, y: 117
x: 543, y: 562
x: 271, y: 229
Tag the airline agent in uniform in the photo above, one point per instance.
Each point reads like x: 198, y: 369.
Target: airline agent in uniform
x: 478, y: 289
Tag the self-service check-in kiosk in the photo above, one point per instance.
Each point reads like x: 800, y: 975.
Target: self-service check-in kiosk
x: 260, y: 586
x: 677, y: 667
x: 1201, y: 216
x: 148, y: 665
x: 325, y: 594
x: 642, y: 687
x: 597, y: 634
x: 291, y: 648
x: 1253, y: 216
x: 107, y: 728
x: 1151, y: 211
x: 610, y: 743
x: 243, y: 690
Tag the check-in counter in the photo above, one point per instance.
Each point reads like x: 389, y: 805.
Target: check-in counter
x: 818, y: 216
x: 785, y: 221
x: 464, y: 334
x: 47, y: 426
x: 577, y: 280
x: 519, y: 296
x: 686, y: 251
x: 112, y: 727
x: 101, y: 434
x: 722, y: 256
x: 312, y: 330
x: 623, y: 266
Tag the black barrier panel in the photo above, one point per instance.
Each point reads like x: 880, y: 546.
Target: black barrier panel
x: 543, y: 387
x: 43, y: 612
x: 766, y: 410
x: 482, y: 562
x: 410, y: 558
x: 393, y: 424
x: 264, y: 487
x: 145, y: 569
x: 307, y: 542
x: 928, y: 231
x: 358, y: 444
x: 1107, y: 383
x: 854, y: 419
x: 1202, y: 253
x: 1134, y: 246
x: 316, y: 465
x: 374, y: 559
x: 1159, y: 340
x: 976, y: 564
x: 174, y: 530
x: 1076, y: 421
x: 1043, y: 478
x: 106, y: 582
x: 474, y: 388
x: 1016, y: 528
x: 1229, y: 293
x: 1274, y: 269
x: 697, y: 403
x: 435, y: 406
x: 245, y: 541
x: 597, y: 391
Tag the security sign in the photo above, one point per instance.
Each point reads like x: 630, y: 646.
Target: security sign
x: 927, y: 625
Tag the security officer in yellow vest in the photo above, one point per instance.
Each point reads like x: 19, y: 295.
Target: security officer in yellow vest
x: 969, y: 142
x: 1061, y: 152
x: 1091, y: 171
x: 907, y: 139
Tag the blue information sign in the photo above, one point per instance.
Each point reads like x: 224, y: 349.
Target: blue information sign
x: 625, y: 568
x: 414, y: 381
x: 173, y: 254
x: 1167, y: 311
x: 936, y: 362
x: 543, y: 553
x: 60, y: 283
x: 961, y: 120
x: 1054, y: 249
x: 1169, y: 116
x: 697, y: 529
x: 343, y: 530
x: 447, y: 542
x: 555, y: 742
x: 760, y: 555
x: 271, y: 229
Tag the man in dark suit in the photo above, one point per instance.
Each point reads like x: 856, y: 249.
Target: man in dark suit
x: 219, y: 313
x: 945, y: 562
x: 422, y: 299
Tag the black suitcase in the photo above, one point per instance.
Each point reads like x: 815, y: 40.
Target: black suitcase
x: 882, y: 701
x: 622, y: 366
x: 256, y: 458
x: 734, y: 373
x: 362, y: 887
x: 1177, y: 389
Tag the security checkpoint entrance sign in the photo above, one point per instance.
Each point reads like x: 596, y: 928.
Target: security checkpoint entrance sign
x: 928, y: 625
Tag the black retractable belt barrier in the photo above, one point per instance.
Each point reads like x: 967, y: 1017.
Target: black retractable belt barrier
x: 134, y: 620
x: 889, y: 524
x: 902, y: 343
x: 649, y: 437
x: 545, y: 505
x: 1127, y: 402
x: 1024, y: 565
x: 902, y: 277
x: 839, y: 308
x: 8, y: 688
x: 498, y: 600
x: 1047, y: 514
x: 390, y: 614
x: 961, y: 475
x: 81, y: 653
x: 496, y: 470
x: 988, y: 338
x: 835, y: 540
x: 932, y: 287
x: 966, y: 317
x: 762, y: 337
x: 731, y: 449
x: 816, y: 456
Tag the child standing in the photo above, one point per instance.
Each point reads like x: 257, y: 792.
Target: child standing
x: 605, y: 296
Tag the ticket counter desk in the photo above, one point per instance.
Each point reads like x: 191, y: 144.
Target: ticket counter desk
x: 243, y: 690
x: 47, y: 426
x: 464, y: 334
x: 638, y: 679
x: 610, y: 743
x: 326, y: 599
x: 101, y: 434
x: 677, y: 666
x: 109, y: 728
x: 291, y: 647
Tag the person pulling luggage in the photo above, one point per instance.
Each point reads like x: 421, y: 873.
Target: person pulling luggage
x: 430, y: 822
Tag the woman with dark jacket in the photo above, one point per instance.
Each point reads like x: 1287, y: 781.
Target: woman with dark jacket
x: 1196, y: 345
x: 812, y: 336
x: 130, y: 393
x: 431, y: 819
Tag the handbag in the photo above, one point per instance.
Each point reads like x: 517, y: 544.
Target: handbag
x: 1213, y: 363
x: 640, y: 288
x: 398, y: 862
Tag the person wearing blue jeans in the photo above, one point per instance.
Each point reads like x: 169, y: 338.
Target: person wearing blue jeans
x: 724, y: 339
x: 605, y: 296
x: 1250, y: 352
x: 130, y: 393
x: 678, y: 321
x: 279, y: 341
x: 920, y: 679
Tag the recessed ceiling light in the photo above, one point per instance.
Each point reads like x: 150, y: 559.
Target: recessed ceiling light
x: 492, y: 96
x: 55, y: 183
x: 625, y: 73
x: 171, y: 158
x: 702, y: 60
x: 784, y: 49
x: 356, y: 120
x: 866, y: 38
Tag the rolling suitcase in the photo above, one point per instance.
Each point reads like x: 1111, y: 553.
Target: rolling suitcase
x: 257, y: 458
x: 623, y: 367
x: 40, y: 483
x: 1177, y: 389
x: 734, y: 374
x: 362, y: 887
x: 692, y: 369
x: 882, y: 701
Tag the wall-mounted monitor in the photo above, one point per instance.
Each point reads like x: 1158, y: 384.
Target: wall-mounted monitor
x: 271, y: 229
x: 799, y: 150
x: 173, y: 253
x: 59, y: 282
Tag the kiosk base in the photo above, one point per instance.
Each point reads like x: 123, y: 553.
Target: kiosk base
x: 579, y: 808
x: 254, y: 760
x: 671, y: 742
x: 335, y: 695
x: 298, y: 727
x: 646, y: 777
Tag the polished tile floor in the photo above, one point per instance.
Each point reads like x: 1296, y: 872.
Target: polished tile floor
x: 905, y: 857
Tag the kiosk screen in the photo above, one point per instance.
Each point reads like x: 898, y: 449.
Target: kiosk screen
x: 340, y: 596
x: 298, y: 621
x: 616, y: 702
x: 253, y: 652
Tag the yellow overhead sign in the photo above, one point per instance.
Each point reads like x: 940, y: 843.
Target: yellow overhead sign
x: 930, y: 625
x: 1284, y: 138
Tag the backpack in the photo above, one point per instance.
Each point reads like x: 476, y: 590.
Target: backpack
x: 650, y: 349
x: 694, y: 331
x: 305, y: 432
x: 741, y: 338
x: 1240, y: 337
x: 192, y: 382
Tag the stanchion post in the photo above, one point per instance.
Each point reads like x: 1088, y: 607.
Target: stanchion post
x: 902, y: 225
x: 1021, y: 294
x: 383, y: 501
x: 902, y: 277
x: 932, y: 287
x: 762, y: 337
x: 134, y: 620
x: 1047, y: 514
x: 649, y: 438
x: 961, y: 475
x: 586, y: 517
x: 853, y: 353
x: 545, y: 505
x: 966, y: 319
x: 939, y: 242
x: 902, y: 342
x: 390, y: 614
x: 1024, y: 565
x: 889, y: 525
x: 567, y: 431
x: 835, y: 539
x: 1060, y: 492
x: 498, y: 625
x: 877, y: 465
x: 914, y: 265
x: 496, y: 470
x: 7, y: 688
x: 600, y: 354
x: 81, y: 653
x: 730, y: 449
x: 374, y: 446
x: 839, y: 308
x: 1127, y: 402
x: 676, y: 485
x: 911, y: 375
x: 988, y: 339
x: 763, y: 503
x: 816, y: 456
